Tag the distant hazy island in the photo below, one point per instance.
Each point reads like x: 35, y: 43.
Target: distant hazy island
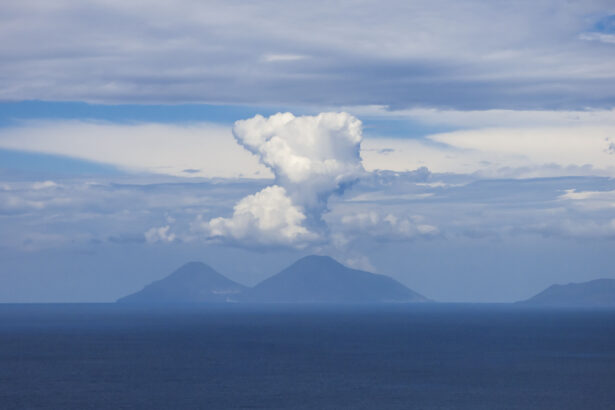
x: 315, y: 279
x: 310, y: 279
x: 194, y: 282
x: 595, y: 293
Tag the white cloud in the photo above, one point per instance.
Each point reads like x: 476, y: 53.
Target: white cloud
x: 581, y: 146
x: 500, y: 152
x: 498, y: 143
x: 204, y: 149
x: 112, y: 210
x: 274, y: 58
x: 348, y: 225
x: 159, y: 234
x: 590, y: 200
x: 20, y: 198
x: 311, y: 156
x: 11, y: 203
x: 44, y: 185
x: 381, y: 208
x: 601, y: 37
x: 266, y: 218
x: 327, y: 152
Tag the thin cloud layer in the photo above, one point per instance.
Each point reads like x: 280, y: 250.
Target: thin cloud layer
x: 527, y: 144
x: 519, y: 152
x: 382, y: 208
x: 438, y: 53
x: 188, y: 150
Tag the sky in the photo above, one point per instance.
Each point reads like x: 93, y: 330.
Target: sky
x: 466, y: 149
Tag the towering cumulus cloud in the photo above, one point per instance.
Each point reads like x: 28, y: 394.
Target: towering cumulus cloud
x: 312, y: 157
x: 267, y: 217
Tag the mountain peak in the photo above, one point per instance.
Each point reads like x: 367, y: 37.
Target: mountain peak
x: 320, y: 260
x: 598, y: 292
x: 317, y: 278
x: 313, y: 278
x: 193, y: 265
x: 194, y: 282
x: 194, y: 268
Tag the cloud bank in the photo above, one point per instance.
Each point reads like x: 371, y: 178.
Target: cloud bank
x: 474, y: 54
x: 492, y: 143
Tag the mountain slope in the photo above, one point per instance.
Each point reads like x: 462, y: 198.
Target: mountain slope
x: 599, y: 292
x: 194, y: 282
x: 322, y: 279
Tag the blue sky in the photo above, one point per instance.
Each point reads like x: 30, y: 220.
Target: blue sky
x: 482, y: 170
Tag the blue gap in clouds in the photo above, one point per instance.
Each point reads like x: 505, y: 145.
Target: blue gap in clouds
x: 606, y: 25
x: 27, y: 164
x: 12, y: 112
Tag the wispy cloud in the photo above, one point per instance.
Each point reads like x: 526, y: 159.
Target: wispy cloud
x: 601, y: 37
x: 159, y: 234
x: 274, y: 58
x: 193, y: 150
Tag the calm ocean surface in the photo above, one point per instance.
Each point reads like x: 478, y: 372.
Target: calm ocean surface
x: 306, y: 357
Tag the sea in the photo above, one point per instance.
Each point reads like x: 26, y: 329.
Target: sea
x: 397, y: 356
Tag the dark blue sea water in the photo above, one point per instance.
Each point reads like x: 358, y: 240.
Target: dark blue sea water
x: 306, y: 357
